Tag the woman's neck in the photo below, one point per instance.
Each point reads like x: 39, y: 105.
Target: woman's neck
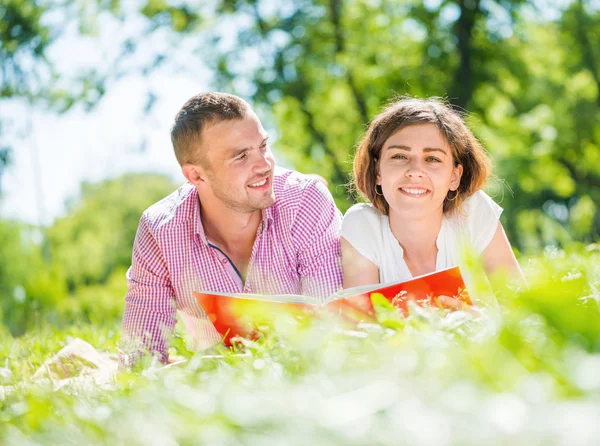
x: 417, y: 237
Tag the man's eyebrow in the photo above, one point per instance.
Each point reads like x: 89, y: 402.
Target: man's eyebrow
x: 237, y: 152
x: 426, y: 149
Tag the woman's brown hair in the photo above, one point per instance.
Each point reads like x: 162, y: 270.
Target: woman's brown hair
x: 406, y: 111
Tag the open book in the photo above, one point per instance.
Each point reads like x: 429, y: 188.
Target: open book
x: 244, y: 314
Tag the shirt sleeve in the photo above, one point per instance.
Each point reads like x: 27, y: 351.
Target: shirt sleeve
x: 482, y: 215
x: 361, y: 227
x: 150, y: 313
x: 316, y: 233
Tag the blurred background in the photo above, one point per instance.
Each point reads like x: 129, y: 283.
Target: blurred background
x: 89, y: 88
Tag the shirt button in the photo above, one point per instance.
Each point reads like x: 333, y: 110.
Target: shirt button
x: 224, y: 260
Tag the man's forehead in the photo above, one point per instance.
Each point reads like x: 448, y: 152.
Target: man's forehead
x: 226, y: 136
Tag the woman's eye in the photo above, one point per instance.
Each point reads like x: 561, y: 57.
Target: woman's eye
x: 433, y: 159
x: 398, y: 157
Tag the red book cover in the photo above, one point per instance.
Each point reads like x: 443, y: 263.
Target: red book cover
x: 245, y: 314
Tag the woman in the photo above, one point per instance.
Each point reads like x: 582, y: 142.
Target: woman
x: 422, y: 171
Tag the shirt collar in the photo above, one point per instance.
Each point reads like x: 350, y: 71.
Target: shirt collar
x: 267, y: 219
x: 197, y: 220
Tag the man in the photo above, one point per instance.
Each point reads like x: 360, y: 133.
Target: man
x: 239, y: 225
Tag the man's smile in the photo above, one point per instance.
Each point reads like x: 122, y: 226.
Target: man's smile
x: 261, y: 184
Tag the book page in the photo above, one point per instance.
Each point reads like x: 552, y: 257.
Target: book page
x: 284, y: 298
x: 373, y: 287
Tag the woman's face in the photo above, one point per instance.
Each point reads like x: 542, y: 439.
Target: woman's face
x: 416, y: 171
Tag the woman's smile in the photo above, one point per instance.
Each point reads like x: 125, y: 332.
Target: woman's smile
x: 416, y: 192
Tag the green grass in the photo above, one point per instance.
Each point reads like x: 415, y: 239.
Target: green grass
x: 527, y: 374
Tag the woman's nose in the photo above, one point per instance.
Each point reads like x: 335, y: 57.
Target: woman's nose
x: 415, y: 169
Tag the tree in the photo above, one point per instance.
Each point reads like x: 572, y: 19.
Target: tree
x: 318, y: 71
x: 328, y: 65
x: 96, y: 236
x: 78, y: 271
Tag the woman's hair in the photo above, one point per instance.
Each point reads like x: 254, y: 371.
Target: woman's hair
x: 406, y: 111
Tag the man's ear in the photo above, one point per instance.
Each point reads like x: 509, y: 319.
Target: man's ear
x: 456, y: 176
x: 194, y: 174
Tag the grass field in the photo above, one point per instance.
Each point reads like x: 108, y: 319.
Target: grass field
x: 527, y: 373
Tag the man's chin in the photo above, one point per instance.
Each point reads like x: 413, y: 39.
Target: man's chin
x: 266, y: 202
x: 259, y: 203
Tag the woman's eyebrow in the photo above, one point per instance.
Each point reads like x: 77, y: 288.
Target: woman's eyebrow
x: 426, y: 149
x: 434, y: 149
x: 399, y: 146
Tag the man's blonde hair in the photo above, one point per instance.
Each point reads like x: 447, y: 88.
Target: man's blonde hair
x: 197, y: 113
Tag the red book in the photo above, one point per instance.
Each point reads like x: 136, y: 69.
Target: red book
x: 245, y: 314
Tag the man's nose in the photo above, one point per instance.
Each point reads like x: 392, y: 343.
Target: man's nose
x: 263, y: 162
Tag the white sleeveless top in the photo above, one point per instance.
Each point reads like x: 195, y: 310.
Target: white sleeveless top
x: 369, y: 232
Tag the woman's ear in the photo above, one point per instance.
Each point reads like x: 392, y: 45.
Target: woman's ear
x: 456, y: 176
x: 378, y: 177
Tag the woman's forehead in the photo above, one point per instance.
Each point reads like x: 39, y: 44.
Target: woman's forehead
x: 417, y: 136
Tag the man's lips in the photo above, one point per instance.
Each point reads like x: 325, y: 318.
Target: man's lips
x: 260, y: 184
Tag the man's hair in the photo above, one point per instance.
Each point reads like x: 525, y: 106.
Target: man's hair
x: 406, y: 111
x: 198, y: 113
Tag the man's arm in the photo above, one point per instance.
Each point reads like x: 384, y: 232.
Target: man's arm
x: 149, y: 317
x: 316, y: 234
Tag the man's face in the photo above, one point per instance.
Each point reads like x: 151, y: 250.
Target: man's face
x: 239, y: 164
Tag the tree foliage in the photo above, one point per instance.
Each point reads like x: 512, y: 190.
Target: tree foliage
x: 96, y: 235
x: 530, y: 84
x: 318, y: 70
x: 78, y: 269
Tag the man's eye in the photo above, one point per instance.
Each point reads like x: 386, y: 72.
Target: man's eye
x: 242, y: 157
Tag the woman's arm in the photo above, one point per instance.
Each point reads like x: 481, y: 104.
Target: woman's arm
x: 498, y: 256
x: 357, y: 269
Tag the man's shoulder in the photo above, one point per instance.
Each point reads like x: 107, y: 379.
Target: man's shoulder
x: 294, y: 188
x: 171, y: 210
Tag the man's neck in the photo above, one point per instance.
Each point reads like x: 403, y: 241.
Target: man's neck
x: 231, y: 230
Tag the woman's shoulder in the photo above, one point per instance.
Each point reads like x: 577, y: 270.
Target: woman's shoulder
x: 478, y: 217
x: 479, y: 208
x: 362, y: 212
x: 478, y: 201
x: 361, y: 227
x: 361, y: 221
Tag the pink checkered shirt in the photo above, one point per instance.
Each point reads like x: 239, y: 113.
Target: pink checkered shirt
x: 296, y: 251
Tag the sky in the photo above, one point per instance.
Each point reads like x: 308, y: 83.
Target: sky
x: 53, y: 153
x: 61, y: 151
